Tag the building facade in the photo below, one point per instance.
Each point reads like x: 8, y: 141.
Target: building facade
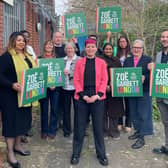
x: 35, y: 16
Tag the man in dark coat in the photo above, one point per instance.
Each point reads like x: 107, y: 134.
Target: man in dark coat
x: 162, y: 57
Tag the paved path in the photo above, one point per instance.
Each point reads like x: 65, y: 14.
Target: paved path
x: 56, y: 153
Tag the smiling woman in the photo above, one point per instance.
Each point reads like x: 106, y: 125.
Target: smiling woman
x: 16, y: 121
x: 90, y: 80
x: 140, y: 107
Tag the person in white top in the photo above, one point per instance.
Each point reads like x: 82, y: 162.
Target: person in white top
x: 68, y: 90
x: 29, y: 48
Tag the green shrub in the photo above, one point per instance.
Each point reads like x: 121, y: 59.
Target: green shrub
x: 156, y: 113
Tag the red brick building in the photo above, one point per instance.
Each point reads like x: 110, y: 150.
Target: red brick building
x: 26, y: 15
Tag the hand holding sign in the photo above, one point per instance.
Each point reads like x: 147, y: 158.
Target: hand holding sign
x: 143, y: 78
x: 150, y: 65
x: 16, y: 86
x: 66, y: 72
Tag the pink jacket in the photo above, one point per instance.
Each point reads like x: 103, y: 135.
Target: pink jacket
x: 101, y: 76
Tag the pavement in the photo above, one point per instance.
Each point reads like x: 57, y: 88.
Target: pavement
x: 56, y: 153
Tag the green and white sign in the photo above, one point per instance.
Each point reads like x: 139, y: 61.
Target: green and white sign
x: 34, y: 85
x: 74, y: 25
x: 108, y: 19
x: 159, y: 81
x: 55, y: 68
x: 126, y: 82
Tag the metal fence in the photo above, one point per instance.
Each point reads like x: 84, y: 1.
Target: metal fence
x: 13, y: 19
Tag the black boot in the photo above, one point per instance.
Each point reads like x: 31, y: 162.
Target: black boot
x: 140, y: 142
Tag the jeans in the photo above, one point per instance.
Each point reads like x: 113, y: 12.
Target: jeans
x: 164, y: 116
x: 49, y: 126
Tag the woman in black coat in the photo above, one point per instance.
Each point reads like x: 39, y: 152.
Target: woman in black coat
x: 15, y: 121
x: 114, y: 105
x: 140, y: 107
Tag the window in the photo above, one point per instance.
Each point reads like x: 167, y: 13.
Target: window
x: 13, y: 19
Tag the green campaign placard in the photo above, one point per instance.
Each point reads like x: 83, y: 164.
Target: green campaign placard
x: 108, y: 19
x: 159, y: 81
x: 126, y: 82
x: 34, y: 85
x: 74, y: 25
x: 55, y: 71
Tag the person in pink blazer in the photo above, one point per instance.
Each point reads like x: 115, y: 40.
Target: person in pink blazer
x: 90, y: 81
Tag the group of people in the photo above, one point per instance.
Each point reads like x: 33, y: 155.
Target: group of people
x: 87, y: 83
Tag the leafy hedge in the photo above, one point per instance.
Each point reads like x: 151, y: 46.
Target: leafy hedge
x: 156, y: 113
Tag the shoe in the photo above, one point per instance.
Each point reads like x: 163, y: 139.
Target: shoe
x: 14, y: 165
x: 140, y: 142
x: 23, y: 153
x: 127, y: 129
x: 116, y: 138
x: 134, y: 136
x: 66, y: 135
x: 51, y: 136
x: 24, y: 139
x: 161, y: 150
x: 43, y: 136
x: 74, y: 160
x: 103, y: 160
x: 29, y: 133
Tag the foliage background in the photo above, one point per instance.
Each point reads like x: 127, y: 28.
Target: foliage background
x: 142, y: 19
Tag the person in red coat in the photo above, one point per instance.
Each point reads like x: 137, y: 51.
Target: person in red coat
x: 90, y: 81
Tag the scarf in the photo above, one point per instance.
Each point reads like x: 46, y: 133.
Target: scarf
x: 20, y: 65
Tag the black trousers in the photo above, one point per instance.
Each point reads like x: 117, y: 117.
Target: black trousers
x: 80, y: 122
x: 68, y: 97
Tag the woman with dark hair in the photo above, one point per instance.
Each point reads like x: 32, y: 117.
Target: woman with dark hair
x: 16, y: 121
x: 114, y: 105
x: 49, y: 126
x: 90, y: 81
x: 29, y: 48
x: 123, y: 51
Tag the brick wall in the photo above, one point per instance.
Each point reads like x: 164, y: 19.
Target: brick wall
x: 30, y: 25
x: 1, y: 27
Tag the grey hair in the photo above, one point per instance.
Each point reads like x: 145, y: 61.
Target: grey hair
x: 71, y: 44
x: 139, y: 41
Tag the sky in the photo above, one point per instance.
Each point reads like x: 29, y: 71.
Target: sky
x: 60, y: 6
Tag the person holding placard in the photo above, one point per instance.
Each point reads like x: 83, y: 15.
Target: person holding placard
x: 140, y: 107
x: 162, y: 57
x: 68, y: 89
x: 123, y: 51
x: 49, y: 126
x: 59, y: 50
x: 16, y: 121
x: 90, y: 81
x: 113, y: 105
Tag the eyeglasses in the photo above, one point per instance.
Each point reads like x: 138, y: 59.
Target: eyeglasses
x: 138, y: 48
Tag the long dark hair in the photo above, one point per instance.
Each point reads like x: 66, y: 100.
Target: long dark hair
x: 12, y: 41
x: 107, y: 44
x: 119, y: 49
